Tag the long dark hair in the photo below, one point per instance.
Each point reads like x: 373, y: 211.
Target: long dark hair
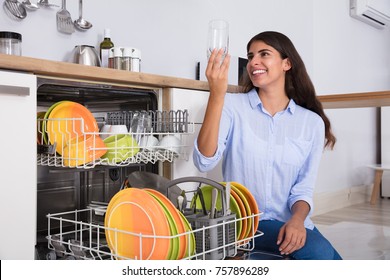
x: 298, y: 86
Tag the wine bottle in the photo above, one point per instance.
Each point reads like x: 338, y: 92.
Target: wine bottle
x: 105, y: 47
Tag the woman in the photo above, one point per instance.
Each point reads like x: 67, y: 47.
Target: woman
x: 270, y: 140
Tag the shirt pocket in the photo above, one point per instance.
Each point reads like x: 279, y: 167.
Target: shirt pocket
x: 295, y: 151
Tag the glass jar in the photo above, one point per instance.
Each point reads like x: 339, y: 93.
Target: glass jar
x: 10, y: 43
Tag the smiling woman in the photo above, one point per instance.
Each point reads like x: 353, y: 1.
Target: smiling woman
x: 270, y: 139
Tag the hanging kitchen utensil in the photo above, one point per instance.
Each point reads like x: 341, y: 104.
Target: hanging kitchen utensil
x: 81, y: 23
x: 64, y: 20
x: 30, y: 6
x: 15, y: 8
x: 45, y: 3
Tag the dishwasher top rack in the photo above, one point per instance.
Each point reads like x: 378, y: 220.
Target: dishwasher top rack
x: 84, y: 154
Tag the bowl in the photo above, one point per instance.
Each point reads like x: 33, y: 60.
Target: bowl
x: 149, y: 143
x: 105, y: 131
x: 120, y: 147
x: 83, y: 149
x: 118, y: 129
x: 108, y: 130
x: 170, y: 143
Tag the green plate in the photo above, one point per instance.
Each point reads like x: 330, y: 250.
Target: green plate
x: 175, y: 242
x: 234, y: 207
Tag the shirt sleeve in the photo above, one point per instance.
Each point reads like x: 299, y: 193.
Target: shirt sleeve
x: 303, y: 189
x: 204, y: 163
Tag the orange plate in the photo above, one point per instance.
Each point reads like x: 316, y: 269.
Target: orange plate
x: 252, y: 203
x: 178, y: 220
x: 63, y: 129
x: 247, y: 210
x: 244, y: 226
x: 136, y: 212
x: 83, y: 150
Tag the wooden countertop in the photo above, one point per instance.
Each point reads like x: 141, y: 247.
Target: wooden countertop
x: 57, y: 69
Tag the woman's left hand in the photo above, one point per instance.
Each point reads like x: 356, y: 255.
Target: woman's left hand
x: 292, y: 236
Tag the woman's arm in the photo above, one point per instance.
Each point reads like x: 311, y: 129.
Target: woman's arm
x: 217, y: 76
x: 292, y: 235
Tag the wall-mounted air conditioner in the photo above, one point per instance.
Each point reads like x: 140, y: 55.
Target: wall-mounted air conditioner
x: 373, y: 12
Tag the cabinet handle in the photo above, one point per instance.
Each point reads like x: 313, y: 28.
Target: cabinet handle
x: 14, y: 90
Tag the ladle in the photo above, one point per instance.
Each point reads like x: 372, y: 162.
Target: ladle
x: 30, y: 6
x: 80, y: 22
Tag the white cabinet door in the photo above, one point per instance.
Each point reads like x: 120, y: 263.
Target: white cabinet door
x: 18, y: 187
x: 195, y: 102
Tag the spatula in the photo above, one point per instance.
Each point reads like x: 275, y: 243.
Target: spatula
x: 64, y: 20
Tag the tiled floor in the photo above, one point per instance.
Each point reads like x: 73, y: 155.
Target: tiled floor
x: 359, y: 232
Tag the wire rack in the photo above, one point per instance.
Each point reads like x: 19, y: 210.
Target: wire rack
x: 80, y: 235
x: 87, y: 150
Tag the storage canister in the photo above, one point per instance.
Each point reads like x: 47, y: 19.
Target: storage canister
x: 117, y: 51
x: 126, y: 58
x: 136, y: 60
x: 10, y: 43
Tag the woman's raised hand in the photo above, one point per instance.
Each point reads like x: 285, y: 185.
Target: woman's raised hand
x: 217, y: 72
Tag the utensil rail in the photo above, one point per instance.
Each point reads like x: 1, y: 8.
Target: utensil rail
x: 81, y: 236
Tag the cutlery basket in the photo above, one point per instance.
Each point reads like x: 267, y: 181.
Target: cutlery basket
x: 215, y: 238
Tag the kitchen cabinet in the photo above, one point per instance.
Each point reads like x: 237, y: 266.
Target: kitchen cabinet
x: 18, y: 188
x: 195, y: 101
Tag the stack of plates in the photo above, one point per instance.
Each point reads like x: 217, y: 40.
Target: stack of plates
x: 242, y: 203
x: 144, y: 224
x: 68, y: 121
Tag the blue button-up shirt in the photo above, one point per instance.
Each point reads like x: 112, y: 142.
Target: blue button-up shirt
x: 275, y: 157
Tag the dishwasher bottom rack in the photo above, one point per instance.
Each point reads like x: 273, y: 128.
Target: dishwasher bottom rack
x: 80, y: 235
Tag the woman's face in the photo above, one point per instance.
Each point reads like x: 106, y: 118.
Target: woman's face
x: 265, y: 67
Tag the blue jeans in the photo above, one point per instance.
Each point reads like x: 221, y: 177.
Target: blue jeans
x: 317, y: 247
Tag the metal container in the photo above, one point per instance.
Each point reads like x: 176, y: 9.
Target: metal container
x: 84, y: 54
x: 126, y: 58
x: 136, y: 60
x: 117, y: 57
x: 10, y: 43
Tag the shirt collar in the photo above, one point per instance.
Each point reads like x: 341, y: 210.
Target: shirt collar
x: 255, y: 101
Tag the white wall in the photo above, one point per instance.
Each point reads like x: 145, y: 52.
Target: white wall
x: 342, y: 54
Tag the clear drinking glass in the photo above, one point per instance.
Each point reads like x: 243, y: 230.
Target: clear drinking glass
x: 141, y: 124
x: 218, y: 36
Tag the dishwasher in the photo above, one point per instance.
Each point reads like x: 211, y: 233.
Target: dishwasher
x: 72, y: 198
